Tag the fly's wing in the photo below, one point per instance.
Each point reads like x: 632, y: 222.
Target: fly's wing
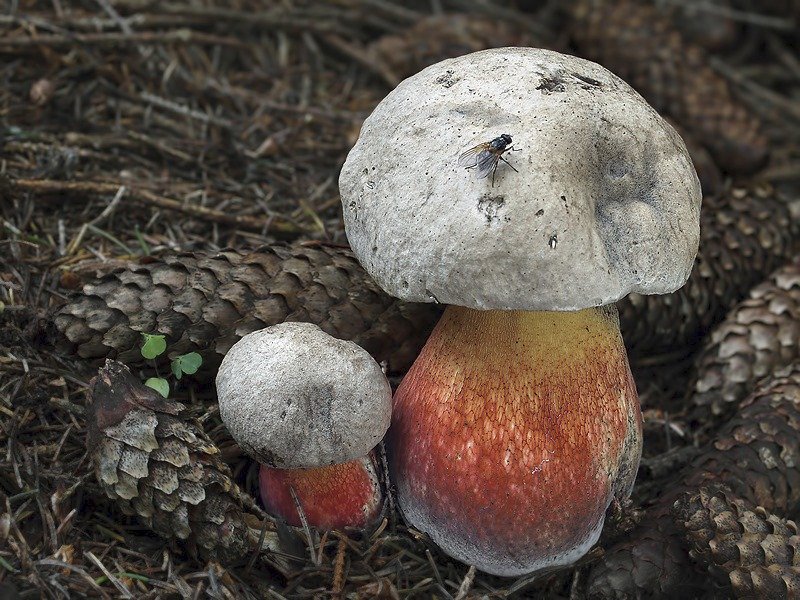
x: 486, y: 162
x: 470, y: 158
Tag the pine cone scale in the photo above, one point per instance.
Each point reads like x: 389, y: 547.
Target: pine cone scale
x: 760, y: 334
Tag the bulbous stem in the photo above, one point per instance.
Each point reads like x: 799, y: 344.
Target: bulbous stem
x: 332, y: 497
x: 512, y: 432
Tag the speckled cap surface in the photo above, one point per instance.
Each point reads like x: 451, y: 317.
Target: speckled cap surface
x: 605, y: 202
x: 294, y: 397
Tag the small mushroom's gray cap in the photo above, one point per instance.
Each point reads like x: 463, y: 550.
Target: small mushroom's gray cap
x: 294, y: 397
x: 605, y: 201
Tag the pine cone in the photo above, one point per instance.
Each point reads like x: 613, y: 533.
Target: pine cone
x: 747, y: 549
x: 639, y: 43
x: 756, y: 454
x: 760, y: 334
x: 205, y: 303
x: 743, y: 235
x: 159, y: 465
x: 634, y: 568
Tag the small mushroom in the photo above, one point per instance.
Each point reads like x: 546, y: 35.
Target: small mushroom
x: 310, y: 408
x: 519, y: 422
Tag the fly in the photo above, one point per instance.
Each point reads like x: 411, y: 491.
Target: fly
x: 487, y: 156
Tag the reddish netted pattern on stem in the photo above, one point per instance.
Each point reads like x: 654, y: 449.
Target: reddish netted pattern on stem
x: 332, y: 497
x: 511, y: 433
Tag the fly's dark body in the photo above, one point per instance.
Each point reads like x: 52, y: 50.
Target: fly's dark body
x: 487, y: 156
x: 500, y: 143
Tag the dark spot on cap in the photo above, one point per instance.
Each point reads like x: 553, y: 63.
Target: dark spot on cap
x: 551, y: 83
x: 490, y: 206
x: 447, y: 79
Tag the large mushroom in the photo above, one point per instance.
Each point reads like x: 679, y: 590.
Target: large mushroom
x: 519, y: 422
x: 310, y: 408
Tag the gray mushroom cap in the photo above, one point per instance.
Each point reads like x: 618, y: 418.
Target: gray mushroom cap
x: 294, y: 397
x: 605, y: 202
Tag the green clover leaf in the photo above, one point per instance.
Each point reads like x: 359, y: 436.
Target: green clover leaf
x: 159, y: 384
x: 154, y: 345
x: 186, y: 363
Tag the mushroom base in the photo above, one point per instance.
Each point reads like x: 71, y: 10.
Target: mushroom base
x: 332, y: 497
x: 512, y: 432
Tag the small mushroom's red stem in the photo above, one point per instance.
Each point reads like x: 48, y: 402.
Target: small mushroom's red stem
x: 332, y: 497
x: 512, y: 432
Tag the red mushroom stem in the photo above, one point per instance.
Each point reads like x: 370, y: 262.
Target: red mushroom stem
x: 332, y: 497
x: 513, y: 431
